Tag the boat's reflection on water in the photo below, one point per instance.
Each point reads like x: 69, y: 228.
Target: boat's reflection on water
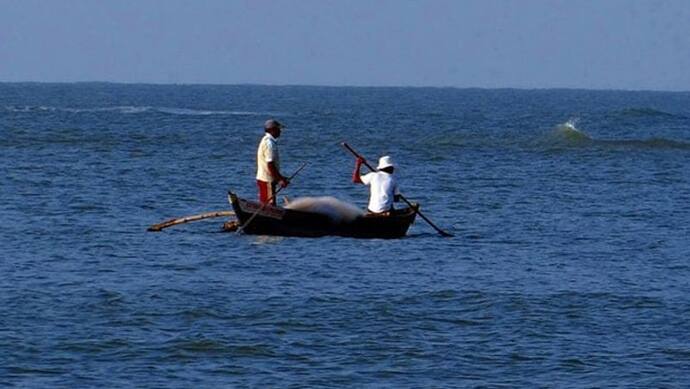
x: 267, y: 239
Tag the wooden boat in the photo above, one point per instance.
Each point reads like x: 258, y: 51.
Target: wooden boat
x: 270, y: 220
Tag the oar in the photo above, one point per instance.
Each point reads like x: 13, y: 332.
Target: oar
x: 187, y: 219
x: 270, y: 199
x: 417, y: 211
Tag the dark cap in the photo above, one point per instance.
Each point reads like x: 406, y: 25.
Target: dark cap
x: 272, y: 123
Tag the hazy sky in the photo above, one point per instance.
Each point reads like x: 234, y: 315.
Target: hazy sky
x: 620, y: 44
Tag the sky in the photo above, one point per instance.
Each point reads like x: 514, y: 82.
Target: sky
x: 592, y: 44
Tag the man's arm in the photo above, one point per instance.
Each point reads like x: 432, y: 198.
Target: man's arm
x: 271, y: 155
x: 275, y: 173
x: 356, y: 177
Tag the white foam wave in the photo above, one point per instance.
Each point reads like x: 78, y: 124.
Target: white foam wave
x: 27, y: 108
x: 335, y: 209
x: 186, y: 111
x: 127, y: 109
x: 119, y: 109
x: 571, y: 124
x: 569, y: 132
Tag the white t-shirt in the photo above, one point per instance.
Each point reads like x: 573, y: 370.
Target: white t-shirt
x: 383, y: 188
x: 267, y: 152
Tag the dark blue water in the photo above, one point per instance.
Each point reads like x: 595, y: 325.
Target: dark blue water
x: 569, y: 266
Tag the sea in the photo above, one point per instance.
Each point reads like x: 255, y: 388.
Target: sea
x: 569, y: 266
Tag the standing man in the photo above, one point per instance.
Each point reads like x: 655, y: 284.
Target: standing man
x: 384, y: 187
x: 268, y: 163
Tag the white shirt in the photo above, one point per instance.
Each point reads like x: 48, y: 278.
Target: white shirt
x: 383, y: 189
x: 267, y: 152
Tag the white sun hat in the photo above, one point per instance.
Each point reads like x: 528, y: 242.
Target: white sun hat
x: 384, y: 162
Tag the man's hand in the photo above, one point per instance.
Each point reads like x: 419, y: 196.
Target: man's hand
x: 359, y: 161
x: 284, y: 182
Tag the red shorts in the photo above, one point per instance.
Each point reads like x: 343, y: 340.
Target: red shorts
x: 267, y: 191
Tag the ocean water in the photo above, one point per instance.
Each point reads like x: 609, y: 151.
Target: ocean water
x: 570, y: 265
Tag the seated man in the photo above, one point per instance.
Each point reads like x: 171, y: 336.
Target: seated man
x: 384, y: 187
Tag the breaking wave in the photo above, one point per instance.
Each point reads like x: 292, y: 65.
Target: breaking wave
x: 638, y: 112
x: 653, y: 143
x: 335, y: 209
x: 568, y: 135
x: 132, y: 110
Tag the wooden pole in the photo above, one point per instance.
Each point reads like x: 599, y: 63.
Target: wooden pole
x: 270, y: 199
x: 417, y: 211
x: 187, y: 219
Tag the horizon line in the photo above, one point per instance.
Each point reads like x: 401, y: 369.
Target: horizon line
x: 288, y: 85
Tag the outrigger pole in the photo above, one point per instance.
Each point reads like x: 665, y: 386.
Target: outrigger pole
x: 172, y: 222
x: 416, y: 209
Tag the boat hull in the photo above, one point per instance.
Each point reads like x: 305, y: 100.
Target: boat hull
x: 270, y: 220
